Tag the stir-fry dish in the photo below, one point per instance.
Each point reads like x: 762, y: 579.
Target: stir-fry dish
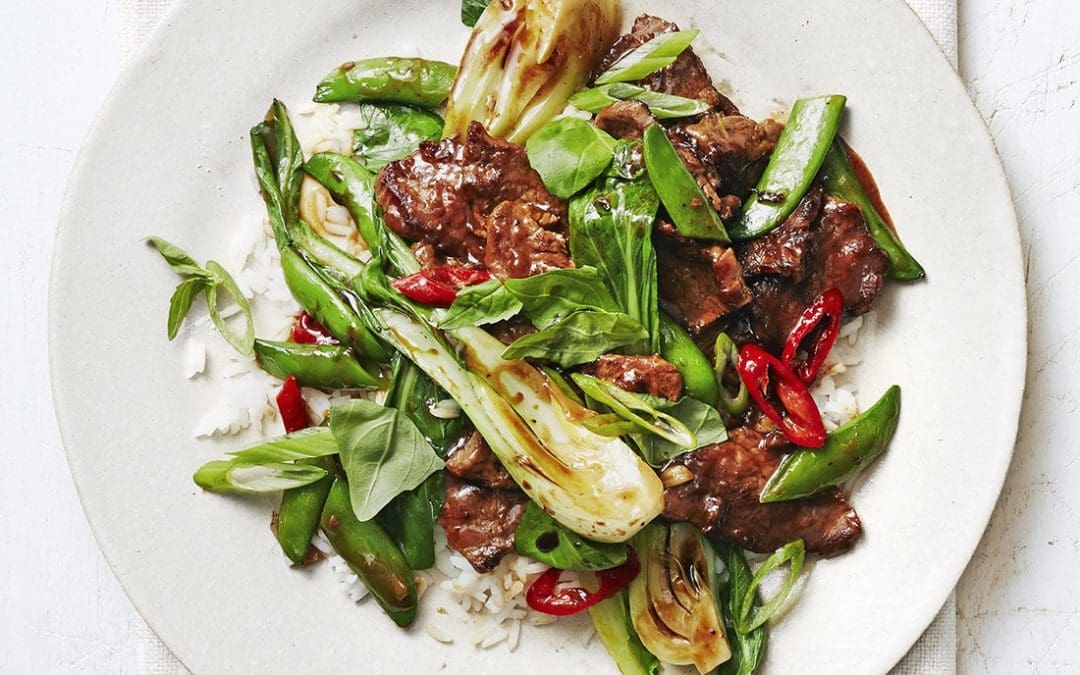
x: 580, y: 316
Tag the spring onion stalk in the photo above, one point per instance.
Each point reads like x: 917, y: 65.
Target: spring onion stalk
x: 524, y: 60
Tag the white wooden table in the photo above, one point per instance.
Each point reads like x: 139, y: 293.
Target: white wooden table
x: 60, y: 607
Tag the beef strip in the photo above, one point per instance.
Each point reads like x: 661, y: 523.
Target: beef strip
x: 727, y: 152
x: 524, y: 239
x: 471, y: 459
x: 480, y: 522
x: 641, y: 374
x: 698, y: 284
x: 781, y: 251
x: 722, y: 499
x: 839, y: 253
x: 685, y: 77
x: 625, y: 119
x: 508, y: 332
x: 447, y: 192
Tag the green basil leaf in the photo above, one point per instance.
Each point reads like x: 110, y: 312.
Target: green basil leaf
x: 703, y: 421
x: 471, y: 11
x: 182, y: 263
x: 180, y: 303
x: 611, y: 230
x: 242, y: 342
x: 481, y: 304
x: 303, y: 444
x: 412, y: 392
x: 579, y: 338
x: 542, y: 538
x: 236, y: 476
x: 747, y: 650
x: 551, y: 296
x: 662, y: 106
x: 392, y: 132
x: 382, y: 452
x: 637, y: 409
x: 659, y: 52
x: 751, y: 617
x: 568, y: 154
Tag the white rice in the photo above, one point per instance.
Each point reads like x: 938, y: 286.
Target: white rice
x: 488, y: 610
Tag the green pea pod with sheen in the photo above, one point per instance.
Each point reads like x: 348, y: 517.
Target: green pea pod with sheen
x: 371, y: 554
x: 683, y: 198
x: 839, y: 179
x: 388, y: 79
x: 794, y: 164
x: 298, y: 516
x: 353, y: 186
x: 326, y: 366
x: 678, y: 348
x: 326, y: 305
x: 847, y: 451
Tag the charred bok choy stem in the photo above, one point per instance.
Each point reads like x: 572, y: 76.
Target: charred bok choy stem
x: 839, y: 179
x: 327, y: 366
x: 794, y: 164
x: 524, y: 60
x: 672, y: 601
x: 388, y: 79
x: 683, y: 198
x: 847, y: 451
x: 371, y: 553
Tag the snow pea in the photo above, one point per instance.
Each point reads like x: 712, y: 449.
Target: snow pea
x: 847, y: 451
x: 371, y: 553
x: 388, y: 79
x: 683, y: 198
x: 679, y: 349
x: 839, y: 179
x: 298, y: 515
x: 328, y: 366
x: 321, y: 301
x: 795, y: 162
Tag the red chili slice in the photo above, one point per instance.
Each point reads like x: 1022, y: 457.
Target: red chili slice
x: 307, y: 331
x: 438, y: 286
x: 290, y: 403
x: 821, y: 322
x: 799, y: 419
x: 543, y: 597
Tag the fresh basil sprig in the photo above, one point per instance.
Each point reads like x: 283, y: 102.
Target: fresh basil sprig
x: 579, y: 338
x: 542, y: 538
x: 471, y: 11
x: 481, y: 304
x: 568, y: 154
x: 382, y: 452
x: 210, y: 280
x: 392, y: 132
x: 659, y: 52
x: 552, y: 296
x: 662, y: 106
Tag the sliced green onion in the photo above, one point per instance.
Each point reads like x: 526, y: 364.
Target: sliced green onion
x: 236, y: 476
x: 749, y: 620
x: 662, y: 106
x: 303, y: 444
x: 634, y: 409
x: 727, y: 358
x: 659, y: 52
x: 243, y: 342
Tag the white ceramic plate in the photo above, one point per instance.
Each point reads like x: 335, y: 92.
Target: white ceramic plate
x: 168, y: 155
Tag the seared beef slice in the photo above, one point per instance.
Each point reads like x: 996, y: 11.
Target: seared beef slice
x: 480, y: 522
x: 456, y: 195
x: 639, y: 374
x: 722, y: 499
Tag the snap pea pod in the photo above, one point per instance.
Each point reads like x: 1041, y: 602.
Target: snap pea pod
x: 388, y: 79
x: 299, y: 513
x: 683, y: 198
x: 327, y: 366
x: 795, y: 162
x: 839, y: 179
x: 353, y: 186
x: 727, y: 359
x: 847, y: 451
x: 320, y: 299
x: 677, y: 347
x: 371, y: 553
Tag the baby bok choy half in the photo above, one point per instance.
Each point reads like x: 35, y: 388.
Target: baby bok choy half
x: 523, y: 62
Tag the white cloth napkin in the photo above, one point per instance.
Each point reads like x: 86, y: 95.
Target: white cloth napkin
x: 933, y: 654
